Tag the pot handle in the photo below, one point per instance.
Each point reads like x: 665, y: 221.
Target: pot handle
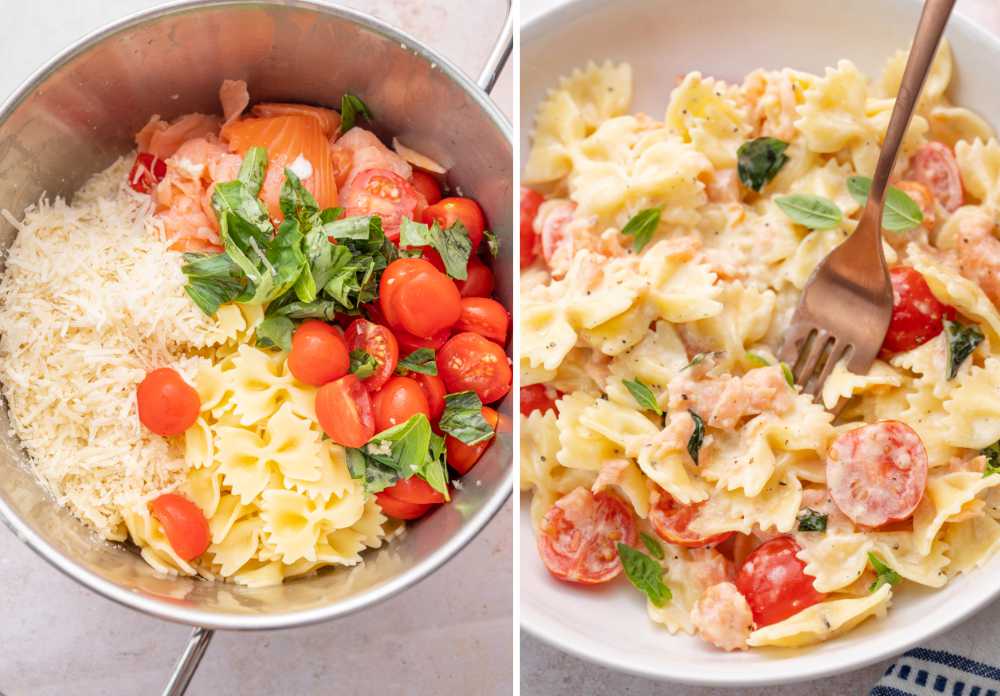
x: 500, y: 54
x: 188, y: 664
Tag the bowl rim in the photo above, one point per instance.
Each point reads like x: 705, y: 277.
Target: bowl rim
x: 566, y: 12
x: 252, y: 622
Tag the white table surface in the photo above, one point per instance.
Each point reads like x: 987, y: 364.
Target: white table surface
x: 452, y: 632
x: 549, y: 671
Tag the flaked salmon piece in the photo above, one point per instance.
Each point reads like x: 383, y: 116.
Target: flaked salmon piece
x: 163, y: 139
x: 979, y: 252
x: 235, y: 98
x: 329, y: 120
x: 722, y: 617
x: 725, y: 400
x: 364, y: 151
x: 287, y: 139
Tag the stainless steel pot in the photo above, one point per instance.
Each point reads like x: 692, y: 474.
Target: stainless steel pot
x: 78, y: 113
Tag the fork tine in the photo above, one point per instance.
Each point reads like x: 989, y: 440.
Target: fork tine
x: 792, y: 344
x: 810, y: 357
x: 837, y: 351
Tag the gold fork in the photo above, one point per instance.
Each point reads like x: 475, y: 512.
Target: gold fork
x: 846, y: 306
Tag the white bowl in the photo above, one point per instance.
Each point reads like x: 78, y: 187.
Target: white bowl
x: 727, y: 39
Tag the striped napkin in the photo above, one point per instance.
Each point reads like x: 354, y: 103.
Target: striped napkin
x: 927, y: 672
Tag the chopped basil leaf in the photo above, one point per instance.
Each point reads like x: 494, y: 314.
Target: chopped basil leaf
x: 645, y: 574
x: 350, y: 108
x: 697, y: 437
x: 757, y: 360
x: 492, y: 243
x: 962, y: 340
x: 884, y: 575
x: 363, y: 364
x: 641, y: 227
x: 252, y: 169
x: 643, y: 395
x: 812, y: 521
x: 787, y: 372
x: 992, y: 454
x: 452, y: 244
x: 759, y: 160
x: 421, y: 360
x: 213, y: 280
x: 296, y: 201
x: 462, y: 418
x: 434, y: 470
x: 652, y: 545
x: 275, y: 332
x: 393, y: 454
x: 355, y: 227
x: 808, y: 210
x: 901, y: 213
x: 698, y: 359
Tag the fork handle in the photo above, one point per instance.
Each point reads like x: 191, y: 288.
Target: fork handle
x: 925, y: 43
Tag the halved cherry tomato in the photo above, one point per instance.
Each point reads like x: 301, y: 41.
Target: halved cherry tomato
x: 484, y: 316
x: 916, y: 313
x: 934, y: 166
x: 424, y: 302
x: 448, y: 211
x: 397, y: 401
x: 877, y: 473
x: 167, y: 404
x: 671, y: 520
x: 147, y: 172
x: 415, y: 490
x: 775, y: 583
x: 469, y: 361
x: 319, y: 353
x: 344, y: 411
x: 434, y: 391
x: 462, y: 457
x: 578, y: 536
x: 530, y: 200
x: 480, y: 282
x: 386, y: 194
x: 538, y: 397
x: 409, y: 343
x: 427, y: 185
x: 184, y: 524
x: 379, y: 342
x: 401, y: 510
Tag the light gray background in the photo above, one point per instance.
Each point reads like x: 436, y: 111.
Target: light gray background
x: 451, y: 633
x: 547, y: 670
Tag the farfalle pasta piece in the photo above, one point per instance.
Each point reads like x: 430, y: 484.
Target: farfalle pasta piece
x: 774, y: 508
x: 843, y: 384
x: 950, y: 124
x: 624, y: 477
x: 148, y: 535
x: 822, y: 621
x: 681, y: 290
x: 746, y: 316
x: 971, y: 543
x: 972, y: 408
x: 773, y: 98
x: 290, y: 523
x: 979, y: 164
x: 710, y: 115
x: 946, y: 496
x: 238, y: 546
x: 938, y: 78
x: 626, y: 427
x: 257, y: 382
x: 579, y: 446
x: 654, y: 362
x: 688, y: 573
x: 833, y: 116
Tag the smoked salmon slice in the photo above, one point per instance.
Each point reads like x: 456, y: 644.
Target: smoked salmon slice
x: 328, y: 119
x: 289, y: 139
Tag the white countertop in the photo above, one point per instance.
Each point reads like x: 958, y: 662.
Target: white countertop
x: 452, y: 632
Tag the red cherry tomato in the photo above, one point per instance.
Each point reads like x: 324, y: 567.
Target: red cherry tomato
x: 425, y: 303
x: 530, y: 200
x: 415, y: 490
x: 448, y: 211
x: 462, y: 457
x: 379, y: 342
x: 147, y: 172
x: 877, y: 473
x: 538, y: 397
x: 184, y: 524
x: 775, y: 583
x: 431, y: 255
x: 409, y: 343
x: 434, y: 391
x: 671, y: 520
x: 401, y: 510
x: 386, y: 194
x: 579, y: 535
x: 319, y: 354
x: 167, y: 404
x: 344, y: 411
x: 484, y: 316
x: 480, y: 282
x: 469, y: 361
x: 427, y: 185
x: 397, y: 401
x: 934, y: 166
x: 916, y: 313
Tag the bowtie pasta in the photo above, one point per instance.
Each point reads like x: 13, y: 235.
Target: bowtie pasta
x: 662, y: 258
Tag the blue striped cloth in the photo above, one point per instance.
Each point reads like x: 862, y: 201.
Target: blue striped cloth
x: 923, y: 672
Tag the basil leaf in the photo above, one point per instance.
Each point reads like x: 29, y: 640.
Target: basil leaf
x: 330, y: 214
x: 275, y: 332
x: 355, y: 227
x: 393, y: 454
x: 288, y: 307
x: 213, y: 280
x: 363, y: 364
x: 759, y: 160
x: 421, y: 360
x: 812, y: 521
x: 237, y: 199
x: 296, y: 201
x: 642, y: 226
x: 757, y: 360
x: 992, y: 454
x: 350, y: 108
x: 492, y: 243
x: 285, y: 259
x: 452, y: 244
x: 252, y: 169
x: 645, y: 574
x: 698, y: 359
x: 697, y: 437
x: 962, y: 340
x: 643, y: 395
x: 652, y: 545
x: 434, y: 470
x: 463, y: 418
x: 244, y: 247
x: 814, y: 212
x: 884, y: 575
x: 787, y: 372
x: 901, y: 213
